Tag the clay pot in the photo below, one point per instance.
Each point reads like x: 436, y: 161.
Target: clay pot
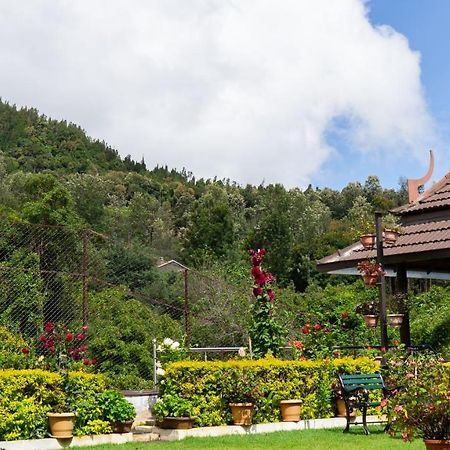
x: 371, y: 320
x: 390, y: 236
x: 123, y: 427
x: 434, y: 444
x: 367, y: 241
x: 61, y: 424
x: 395, y: 320
x: 177, y: 423
x: 370, y: 280
x: 242, y: 413
x: 341, y: 409
x: 290, y: 410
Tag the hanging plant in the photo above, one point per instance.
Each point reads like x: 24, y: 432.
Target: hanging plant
x: 371, y: 271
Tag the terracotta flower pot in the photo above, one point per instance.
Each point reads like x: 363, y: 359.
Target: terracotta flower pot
x: 390, y: 236
x: 367, y: 241
x: 395, y: 320
x: 290, y: 410
x: 434, y: 444
x: 370, y: 280
x: 123, y: 427
x: 177, y: 423
x: 61, y: 424
x: 242, y: 413
x: 371, y: 320
x: 341, y: 409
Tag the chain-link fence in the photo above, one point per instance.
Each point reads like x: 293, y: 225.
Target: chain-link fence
x: 79, y: 278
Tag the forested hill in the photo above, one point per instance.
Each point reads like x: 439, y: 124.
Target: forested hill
x: 52, y: 173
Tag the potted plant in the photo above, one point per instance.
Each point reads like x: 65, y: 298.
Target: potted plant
x: 370, y: 271
x: 370, y: 312
x: 398, y: 302
x: 422, y: 407
x: 118, y: 410
x: 61, y: 418
x: 173, y: 411
x: 242, y: 398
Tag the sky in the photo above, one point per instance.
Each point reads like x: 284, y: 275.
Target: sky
x: 257, y: 91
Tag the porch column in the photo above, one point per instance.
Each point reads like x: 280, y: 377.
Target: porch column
x: 402, y: 288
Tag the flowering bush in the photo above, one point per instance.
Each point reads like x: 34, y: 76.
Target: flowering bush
x: 421, y: 408
x: 62, y: 348
x: 169, y: 351
x: 266, y: 333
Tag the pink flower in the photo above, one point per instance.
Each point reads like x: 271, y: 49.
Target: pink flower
x: 271, y: 295
x: 317, y: 327
x: 398, y: 408
x: 84, y: 328
x: 383, y: 402
x: 81, y: 337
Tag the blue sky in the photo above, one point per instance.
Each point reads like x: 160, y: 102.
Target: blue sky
x: 425, y: 23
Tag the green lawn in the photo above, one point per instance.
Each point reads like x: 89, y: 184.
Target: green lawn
x: 284, y: 440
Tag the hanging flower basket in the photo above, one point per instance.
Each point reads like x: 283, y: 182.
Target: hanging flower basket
x: 371, y: 320
x: 367, y: 241
x: 395, y: 320
x: 371, y: 271
x: 390, y: 236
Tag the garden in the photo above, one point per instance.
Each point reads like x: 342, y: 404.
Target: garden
x: 53, y: 387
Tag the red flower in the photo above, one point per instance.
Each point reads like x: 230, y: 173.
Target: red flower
x: 69, y: 337
x: 51, y: 350
x: 271, y: 295
x: 383, y: 349
x: 344, y: 315
x: 317, y: 327
x: 94, y: 362
x: 86, y: 362
x: 305, y: 329
x: 43, y: 338
x: 257, y: 291
x: 48, y: 327
x: 25, y: 350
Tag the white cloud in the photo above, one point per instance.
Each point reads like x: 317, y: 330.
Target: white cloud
x: 241, y: 89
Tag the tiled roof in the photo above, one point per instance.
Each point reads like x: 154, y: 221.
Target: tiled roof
x: 417, y: 238
x: 437, y: 197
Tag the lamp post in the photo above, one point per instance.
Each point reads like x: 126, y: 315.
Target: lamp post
x: 382, y: 283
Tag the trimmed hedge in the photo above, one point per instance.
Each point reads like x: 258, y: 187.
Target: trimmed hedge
x: 27, y: 395
x: 210, y: 386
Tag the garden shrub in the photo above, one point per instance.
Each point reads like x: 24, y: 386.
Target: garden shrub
x: 11, y: 346
x: 27, y: 395
x: 210, y: 386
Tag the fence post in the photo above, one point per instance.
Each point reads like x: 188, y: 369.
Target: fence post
x: 84, y: 275
x: 155, y: 378
x: 187, y: 328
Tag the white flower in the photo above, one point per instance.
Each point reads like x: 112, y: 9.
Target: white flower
x: 175, y: 345
x: 167, y: 342
x: 241, y: 352
x: 158, y: 364
x: 159, y: 348
x: 160, y: 371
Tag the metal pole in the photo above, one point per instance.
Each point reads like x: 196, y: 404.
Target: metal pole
x: 155, y: 378
x: 84, y: 274
x: 382, y: 283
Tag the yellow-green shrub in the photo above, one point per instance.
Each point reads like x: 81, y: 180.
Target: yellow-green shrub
x: 27, y: 395
x: 211, y: 385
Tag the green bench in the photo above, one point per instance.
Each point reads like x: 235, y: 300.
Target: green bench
x: 355, y: 391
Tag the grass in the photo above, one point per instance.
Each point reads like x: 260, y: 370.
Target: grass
x: 283, y: 440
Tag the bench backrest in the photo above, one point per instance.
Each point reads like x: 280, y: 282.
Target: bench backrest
x: 370, y: 381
